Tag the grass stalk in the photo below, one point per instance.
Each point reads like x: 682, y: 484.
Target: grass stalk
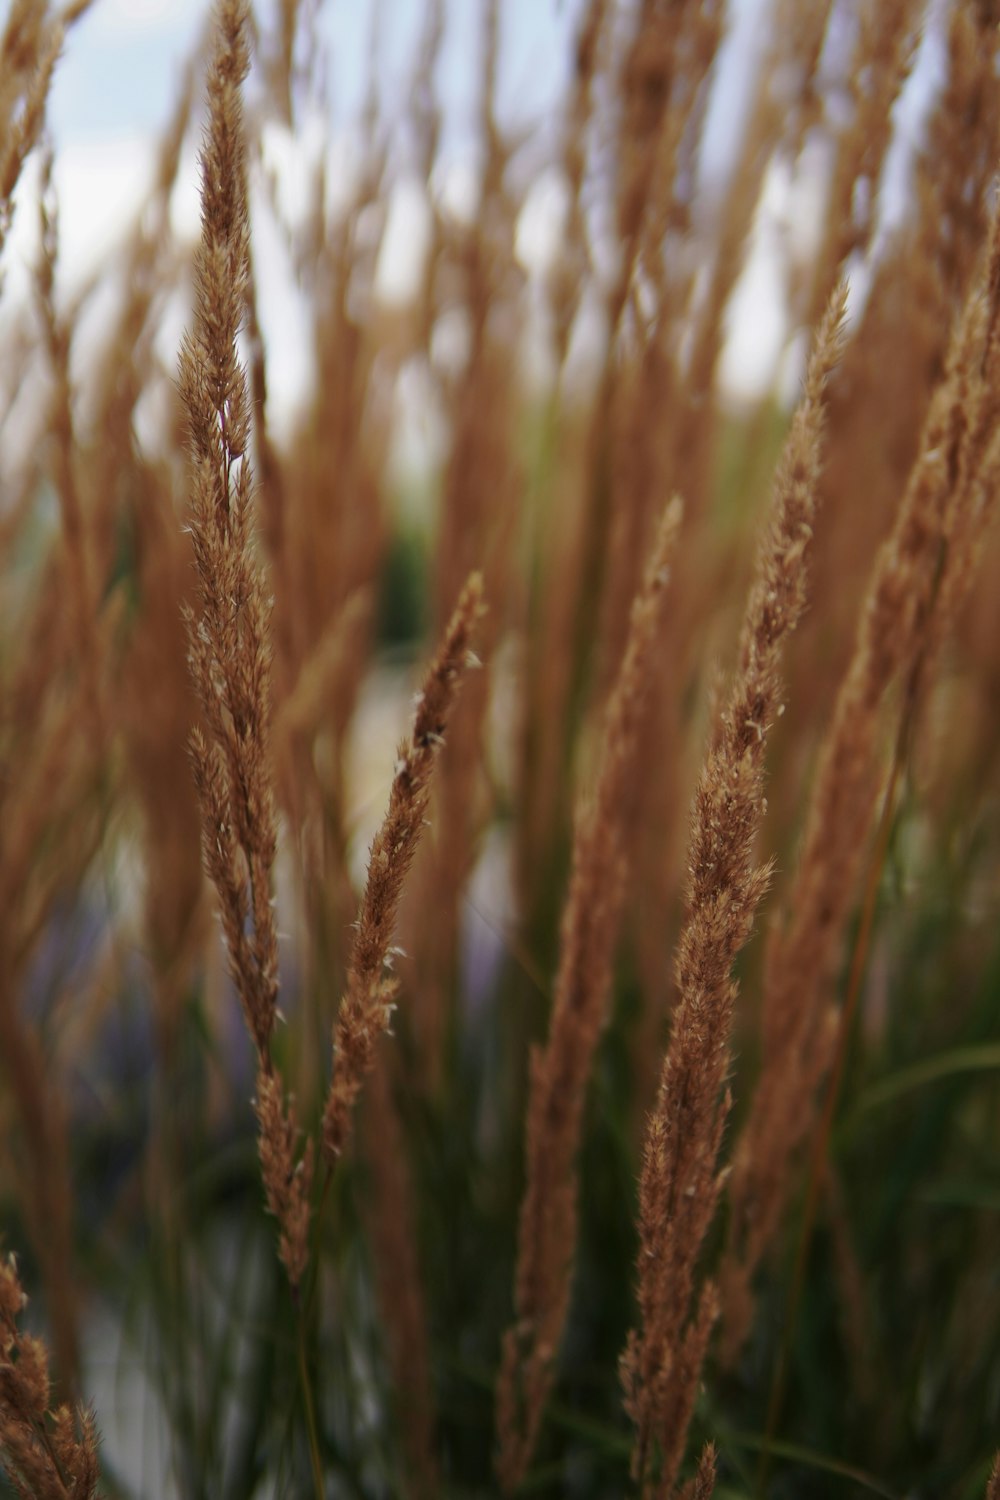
x: 315, y: 1460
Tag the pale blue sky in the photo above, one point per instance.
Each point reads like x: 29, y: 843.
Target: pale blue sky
x: 124, y: 60
x: 117, y: 83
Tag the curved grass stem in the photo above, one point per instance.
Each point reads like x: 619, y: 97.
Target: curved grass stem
x: 821, y: 1146
x: 310, y: 1407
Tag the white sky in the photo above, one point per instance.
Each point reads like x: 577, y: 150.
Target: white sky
x: 116, y: 86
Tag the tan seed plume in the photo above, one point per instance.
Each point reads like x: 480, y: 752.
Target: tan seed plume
x: 701, y: 1485
x: 680, y: 1181
x: 366, y: 1007
x: 921, y: 576
x: 993, y: 1487
x: 45, y: 1454
x: 229, y: 633
x: 560, y: 1072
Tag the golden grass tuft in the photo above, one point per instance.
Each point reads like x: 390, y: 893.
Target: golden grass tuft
x: 48, y: 1454
x: 369, y: 999
x: 386, y: 1221
x: 680, y: 1181
x: 560, y: 1072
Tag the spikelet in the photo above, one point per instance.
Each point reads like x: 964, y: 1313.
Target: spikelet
x: 993, y: 1487
x: 229, y: 640
x: 367, y: 1005
x: 228, y: 637
x: 680, y: 1184
x: 701, y: 1485
x: 921, y: 575
x: 560, y: 1073
x: 45, y: 1454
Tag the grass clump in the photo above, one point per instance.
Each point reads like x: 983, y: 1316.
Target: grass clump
x: 537, y: 1136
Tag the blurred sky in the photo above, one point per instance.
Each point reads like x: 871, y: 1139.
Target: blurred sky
x: 116, y: 85
x: 124, y: 60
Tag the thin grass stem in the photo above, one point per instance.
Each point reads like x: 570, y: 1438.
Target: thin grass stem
x: 310, y: 1409
x: 817, y: 1171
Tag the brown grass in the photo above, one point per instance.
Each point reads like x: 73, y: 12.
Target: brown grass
x: 49, y: 1454
x: 369, y: 999
x: 210, y: 608
x: 560, y: 1073
x: 680, y: 1181
x: 910, y: 603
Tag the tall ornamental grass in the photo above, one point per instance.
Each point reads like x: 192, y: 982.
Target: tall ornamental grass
x: 499, y: 961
